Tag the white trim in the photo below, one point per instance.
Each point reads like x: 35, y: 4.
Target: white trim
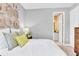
x: 67, y: 45
x: 63, y: 25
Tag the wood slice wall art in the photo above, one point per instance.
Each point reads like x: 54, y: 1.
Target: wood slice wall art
x: 2, y: 22
x: 9, y: 15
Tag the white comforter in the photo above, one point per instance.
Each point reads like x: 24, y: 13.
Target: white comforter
x: 35, y: 47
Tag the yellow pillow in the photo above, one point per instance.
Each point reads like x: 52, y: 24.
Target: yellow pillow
x: 22, y: 40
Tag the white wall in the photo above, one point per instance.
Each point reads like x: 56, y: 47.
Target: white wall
x: 21, y: 15
x: 41, y: 23
x: 67, y: 27
x: 74, y: 22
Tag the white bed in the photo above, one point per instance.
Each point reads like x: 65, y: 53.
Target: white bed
x: 35, y: 47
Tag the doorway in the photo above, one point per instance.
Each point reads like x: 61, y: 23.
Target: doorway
x: 58, y: 27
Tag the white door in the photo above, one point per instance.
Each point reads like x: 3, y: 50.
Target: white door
x: 60, y: 29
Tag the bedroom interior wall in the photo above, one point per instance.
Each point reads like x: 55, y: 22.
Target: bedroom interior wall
x: 74, y: 22
x: 41, y: 23
x: 21, y: 15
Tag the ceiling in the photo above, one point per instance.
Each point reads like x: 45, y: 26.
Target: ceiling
x: 46, y: 5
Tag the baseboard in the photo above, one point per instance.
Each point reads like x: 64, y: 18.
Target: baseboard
x: 67, y: 44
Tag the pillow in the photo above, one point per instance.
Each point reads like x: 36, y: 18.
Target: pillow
x: 14, y: 30
x: 22, y: 40
x: 3, y: 43
x: 5, y: 30
x: 11, y: 42
x: 18, y: 33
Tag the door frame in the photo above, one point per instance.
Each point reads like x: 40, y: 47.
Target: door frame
x: 63, y: 25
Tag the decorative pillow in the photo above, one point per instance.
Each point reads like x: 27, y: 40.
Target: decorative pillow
x: 18, y: 33
x: 3, y: 43
x: 11, y: 42
x: 14, y: 30
x: 22, y: 40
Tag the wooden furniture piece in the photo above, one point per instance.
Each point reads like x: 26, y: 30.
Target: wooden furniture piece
x: 76, y: 45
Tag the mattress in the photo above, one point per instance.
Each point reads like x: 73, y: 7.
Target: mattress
x: 35, y: 47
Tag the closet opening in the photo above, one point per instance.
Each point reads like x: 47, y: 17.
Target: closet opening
x: 58, y: 29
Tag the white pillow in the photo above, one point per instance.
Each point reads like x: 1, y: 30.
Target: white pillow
x: 5, y: 30
x: 15, y: 30
x: 3, y: 43
x: 11, y: 42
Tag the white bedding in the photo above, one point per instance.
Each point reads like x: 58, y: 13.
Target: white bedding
x: 35, y: 47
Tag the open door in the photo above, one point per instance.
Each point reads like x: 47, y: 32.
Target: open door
x: 58, y: 27
x: 61, y: 28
